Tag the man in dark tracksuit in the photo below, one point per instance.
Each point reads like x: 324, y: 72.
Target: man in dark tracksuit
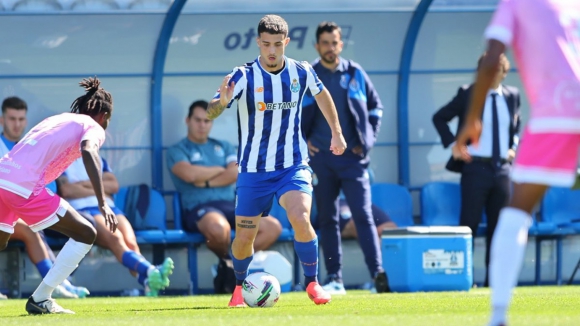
x: 359, y: 111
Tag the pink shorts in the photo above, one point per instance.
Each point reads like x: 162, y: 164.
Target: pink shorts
x: 547, y: 158
x: 39, y: 212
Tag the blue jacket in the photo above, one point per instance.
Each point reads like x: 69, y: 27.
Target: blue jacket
x: 363, y: 101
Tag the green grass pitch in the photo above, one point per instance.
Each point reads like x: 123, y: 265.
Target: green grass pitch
x: 532, y: 306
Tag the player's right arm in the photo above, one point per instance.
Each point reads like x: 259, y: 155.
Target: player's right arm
x: 230, y: 89
x: 218, y: 105
x: 92, y: 162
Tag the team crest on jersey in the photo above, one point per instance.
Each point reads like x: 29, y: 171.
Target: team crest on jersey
x: 219, y: 151
x: 196, y: 156
x: 353, y: 85
x: 344, y: 81
x: 295, y: 86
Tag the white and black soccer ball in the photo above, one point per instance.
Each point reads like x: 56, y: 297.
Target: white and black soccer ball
x: 261, y: 290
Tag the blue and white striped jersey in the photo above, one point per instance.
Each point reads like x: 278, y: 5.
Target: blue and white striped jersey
x: 269, y: 114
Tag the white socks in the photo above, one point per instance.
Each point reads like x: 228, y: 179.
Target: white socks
x: 507, y: 254
x: 67, y: 260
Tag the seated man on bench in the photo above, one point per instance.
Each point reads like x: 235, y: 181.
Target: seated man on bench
x: 204, y: 172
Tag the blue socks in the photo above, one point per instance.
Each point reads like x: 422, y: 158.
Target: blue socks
x: 241, y: 268
x: 138, y: 263
x: 43, y: 267
x: 308, y: 254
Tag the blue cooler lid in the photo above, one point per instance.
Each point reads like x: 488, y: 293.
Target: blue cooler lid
x: 428, y: 231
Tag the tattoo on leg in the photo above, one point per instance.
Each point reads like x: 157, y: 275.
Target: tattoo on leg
x: 246, y: 224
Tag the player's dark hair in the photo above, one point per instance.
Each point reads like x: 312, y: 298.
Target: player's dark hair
x: 197, y: 104
x: 273, y: 24
x: 95, y: 101
x: 13, y: 103
x: 503, y: 61
x: 327, y: 27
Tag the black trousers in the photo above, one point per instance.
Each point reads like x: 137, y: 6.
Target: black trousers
x: 483, y: 190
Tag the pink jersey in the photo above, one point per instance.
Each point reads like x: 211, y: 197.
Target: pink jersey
x: 545, y: 36
x: 46, y: 151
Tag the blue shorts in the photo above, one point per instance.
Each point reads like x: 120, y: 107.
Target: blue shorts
x: 90, y: 212
x: 256, y: 190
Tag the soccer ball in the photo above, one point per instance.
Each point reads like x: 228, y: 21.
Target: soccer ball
x: 261, y: 290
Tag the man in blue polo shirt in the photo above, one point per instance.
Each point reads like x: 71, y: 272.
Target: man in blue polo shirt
x: 204, y: 171
x: 359, y: 111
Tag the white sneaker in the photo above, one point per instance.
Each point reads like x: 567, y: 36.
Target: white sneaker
x: 3, y: 297
x: 334, y: 288
x: 45, y: 307
x: 61, y: 292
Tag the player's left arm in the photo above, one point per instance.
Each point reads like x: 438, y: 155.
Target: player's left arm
x: 110, y: 183
x: 326, y: 104
x: 109, y: 180
x: 92, y: 162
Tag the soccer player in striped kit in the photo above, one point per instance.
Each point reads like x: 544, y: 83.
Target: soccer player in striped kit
x: 272, y: 154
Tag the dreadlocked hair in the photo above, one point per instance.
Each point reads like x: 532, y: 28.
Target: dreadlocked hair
x: 95, y: 101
